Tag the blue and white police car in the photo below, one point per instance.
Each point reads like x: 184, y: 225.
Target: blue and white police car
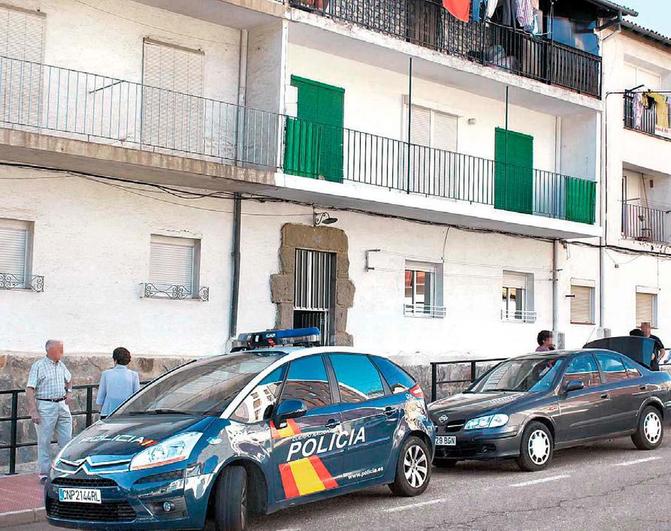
x: 266, y: 427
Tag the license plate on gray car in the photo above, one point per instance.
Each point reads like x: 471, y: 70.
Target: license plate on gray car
x: 446, y: 440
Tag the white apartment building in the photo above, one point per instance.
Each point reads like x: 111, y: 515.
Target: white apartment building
x: 175, y: 172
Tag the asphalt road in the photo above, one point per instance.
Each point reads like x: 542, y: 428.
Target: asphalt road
x: 605, y: 486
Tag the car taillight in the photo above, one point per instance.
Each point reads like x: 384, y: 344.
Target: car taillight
x: 417, y: 392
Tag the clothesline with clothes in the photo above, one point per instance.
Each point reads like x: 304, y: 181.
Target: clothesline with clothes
x: 525, y: 13
x: 651, y: 101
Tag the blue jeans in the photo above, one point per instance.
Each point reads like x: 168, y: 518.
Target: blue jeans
x: 54, y: 417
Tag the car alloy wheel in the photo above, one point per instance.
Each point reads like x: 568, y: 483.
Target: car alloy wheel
x: 652, y: 427
x: 539, y: 447
x: 415, y: 466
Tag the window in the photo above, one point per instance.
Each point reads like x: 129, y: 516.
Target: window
x: 646, y: 309
x: 172, y: 104
x: 358, y: 379
x: 15, y: 243
x: 314, y: 292
x: 633, y: 370
x: 21, y: 47
x: 173, y: 268
x: 307, y: 381
x: 583, y: 368
x: 433, y: 128
x: 399, y: 381
x: 259, y: 403
x: 423, y: 290
x: 517, y: 297
x: 612, y: 367
x: 582, y: 305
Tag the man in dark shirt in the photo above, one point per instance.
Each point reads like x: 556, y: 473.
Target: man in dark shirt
x: 659, y: 346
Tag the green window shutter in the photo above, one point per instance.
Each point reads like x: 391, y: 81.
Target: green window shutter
x: 314, y: 140
x: 580, y: 200
x: 514, y: 174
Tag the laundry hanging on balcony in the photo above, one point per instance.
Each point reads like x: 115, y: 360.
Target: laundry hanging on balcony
x: 460, y: 9
x: 661, y: 109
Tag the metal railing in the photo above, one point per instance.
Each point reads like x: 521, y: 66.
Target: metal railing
x: 473, y: 368
x: 521, y: 316
x: 644, y: 223
x: 428, y: 24
x: 81, y: 105
x: 14, y: 281
x: 641, y: 118
x: 88, y: 413
x: 152, y: 290
x: 424, y: 310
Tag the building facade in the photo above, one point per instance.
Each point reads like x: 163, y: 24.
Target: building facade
x: 177, y: 172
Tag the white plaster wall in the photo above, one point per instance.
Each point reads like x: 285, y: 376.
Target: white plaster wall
x: 265, y: 67
x: 92, y: 245
x: 105, y: 37
x: 374, y: 99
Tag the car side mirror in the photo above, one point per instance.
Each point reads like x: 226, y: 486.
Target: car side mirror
x: 574, y: 385
x: 290, y: 409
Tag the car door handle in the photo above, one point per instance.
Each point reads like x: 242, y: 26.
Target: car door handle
x: 643, y: 388
x: 332, y: 424
x: 389, y: 411
x: 605, y: 396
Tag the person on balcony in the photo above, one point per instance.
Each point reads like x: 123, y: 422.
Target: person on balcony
x: 49, y: 392
x: 117, y: 384
x: 545, y: 340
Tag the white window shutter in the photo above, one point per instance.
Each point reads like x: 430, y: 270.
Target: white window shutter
x: 581, y: 304
x: 420, y: 126
x: 14, y: 250
x: 21, y: 34
x: 645, y: 308
x: 444, y: 131
x: 172, y: 262
x: 514, y: 280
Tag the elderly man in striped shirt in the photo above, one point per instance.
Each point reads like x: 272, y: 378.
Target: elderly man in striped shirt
x: 49, y: 392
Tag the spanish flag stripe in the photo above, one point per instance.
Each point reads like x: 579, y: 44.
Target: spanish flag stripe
x: 295, y: 428
x: 323, y: 473
x: 307, y: 480
x: 288, y: 483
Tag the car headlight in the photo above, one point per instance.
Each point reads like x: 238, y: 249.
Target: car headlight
x: 172, y: 450
x: 490, y: 421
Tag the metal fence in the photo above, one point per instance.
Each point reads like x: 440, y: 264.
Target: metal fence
x: 643, y: 119
x: 472, y: 369
x: 428, y: 24
x: 644, y: 223
x: 81, y: 105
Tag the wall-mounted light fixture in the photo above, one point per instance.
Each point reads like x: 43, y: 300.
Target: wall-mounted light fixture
x: 323, y: 218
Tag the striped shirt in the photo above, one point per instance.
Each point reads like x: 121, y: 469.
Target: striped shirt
x: 49, y: 378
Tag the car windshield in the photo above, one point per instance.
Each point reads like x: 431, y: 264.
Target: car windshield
x: 522, y: 375
x: 205, y: 387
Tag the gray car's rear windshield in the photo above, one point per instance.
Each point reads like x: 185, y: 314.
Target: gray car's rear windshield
x: 202, y: 388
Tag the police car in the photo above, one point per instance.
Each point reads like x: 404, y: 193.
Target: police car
x: 279, y: 422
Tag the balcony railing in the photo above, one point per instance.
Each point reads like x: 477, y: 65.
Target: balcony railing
x: 644, y: 224
x: 519, y: 316
x: 428, y: 24
x: 101, y: 109
x: 643, y: 119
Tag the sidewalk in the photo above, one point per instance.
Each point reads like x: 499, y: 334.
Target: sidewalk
x: 21, y: 500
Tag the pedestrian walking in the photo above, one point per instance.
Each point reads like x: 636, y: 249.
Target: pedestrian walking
x: 117, y: 384
x: 545, y: 340
x: 49, y: 393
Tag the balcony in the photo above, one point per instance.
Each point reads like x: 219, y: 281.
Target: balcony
x: 97, y: 109
x: 644, y: 224
x: 428, y: 24
x: 643, y: 119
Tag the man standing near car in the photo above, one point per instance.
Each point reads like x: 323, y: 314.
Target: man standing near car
x: 659, y: 346
x: 49, y: 391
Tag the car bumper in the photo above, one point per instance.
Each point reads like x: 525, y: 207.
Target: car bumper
x: 135, y: 508
x: 482, y: 444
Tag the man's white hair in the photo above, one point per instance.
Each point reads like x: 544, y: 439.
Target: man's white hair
x: 51, y: 343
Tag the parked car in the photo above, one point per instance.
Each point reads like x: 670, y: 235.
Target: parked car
x: 252, y: 431
x: 528, y: 407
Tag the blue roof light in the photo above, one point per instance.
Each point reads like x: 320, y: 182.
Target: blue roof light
x: 270, y: 338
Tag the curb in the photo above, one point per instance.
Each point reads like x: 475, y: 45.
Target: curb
x: 27, y: 516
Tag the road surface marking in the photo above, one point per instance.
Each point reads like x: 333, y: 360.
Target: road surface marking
x: 414, y: 505
x: 537, y: 481
x: 637, y: 461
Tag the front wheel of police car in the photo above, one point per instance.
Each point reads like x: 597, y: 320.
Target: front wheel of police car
x: 413, y: 471
x: 230, y: 505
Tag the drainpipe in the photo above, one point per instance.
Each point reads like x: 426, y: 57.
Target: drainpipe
x: 555, y: 286
x: 242, y: 94
x: 235, y: 289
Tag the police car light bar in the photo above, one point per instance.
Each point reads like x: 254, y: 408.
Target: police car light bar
x: 270, y: 338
